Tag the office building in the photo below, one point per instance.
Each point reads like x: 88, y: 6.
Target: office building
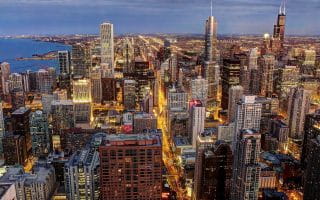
x: 311, y: 131
x: 311, y: 179
x: 17, y: 99
x: 143, y: 121
x: 129, y: 94
x: 177, y: 99
x: 96, y: 85
x: 199, y: 90
x: 298, y: 107
x: 246, y: 169
x: 4, y: 74
x: 62, y: 112
x: 226, y: 131
x: 212, y: 75
x: 80, y: 60
x: 248, y: 116
x: 20, y: 124
x: 39, y: 129
x: 107, y: 49
x: 279, y: 28
x: 230, y: 77
x: 197, y: 120
x: 235, y: 95
x: 81, y: 175
x: 2, y: 127
x: 64, y: 59
x: 267, y: 66
x: 134, y: 162
x: 210, y: 54
x: 216, y: 173
x: 37, y: 185
x: 14, y: 149
x: 15, y: 82
x: 46, y: 79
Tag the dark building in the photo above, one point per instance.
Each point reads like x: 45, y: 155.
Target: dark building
x: 279, y: 28
x: 75, y: 138
x: 20, y: 125
x: 273, y: 195
x: 311, y: 178
x: 14, y: 149
x: 216, y: 173
x: 311, y: 131
x: 109, y: 92
x: 130, y: 167
x: 17, y: 99
x: 230, y: 77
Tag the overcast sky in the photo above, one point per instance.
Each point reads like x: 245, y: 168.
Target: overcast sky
x: 154, y: 16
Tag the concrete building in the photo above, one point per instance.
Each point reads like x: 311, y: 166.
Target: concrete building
x: 246, y: 169
x: 64, y: 59
x: 143, y: 121
x: 107, y: 49
x: 81, y: 175
x: 129, y: 94
x: 199, y: 90
x: 39, y: 129
x: 235, y: 94
x: 46, y: 79
x: 134, y: 162
x: 197, y: 121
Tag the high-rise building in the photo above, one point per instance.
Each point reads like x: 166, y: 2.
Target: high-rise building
x: 248, y: 116
x: 64, y: 59
x: 21, y: 126
x: 177, y: 99
x: 46, y: 80
x: 212, y: 75
x: 310, y: 57
x: 129, y: 94
x: 96, y: 85
x: 216, y: 173
x: 266, y: 72
x: 109, y: 89
x: 4, y: 75
x: 199, y: 89
x: 40, y: 184
x: 39, y: 129
x: 311, y: 131
x: 62, y: 112
x: 298, y: 107
x: 285, y: 79
x: 230, y: 77
x: 246, y: 169
x: 14, y: 149
x: 235, y: 94
x: 80, y: 60
x: 279, y: 27
x: 312, y: 172
x: 2, y: 128
x: 142, y: 121
x: 197, y: 120
x: 17, y: 99
x: 15, y: 82
x: 81, y: 175
x: 107, y: 49
x: 134, y: 162
x: 81, y: 91
x: 210, y: 54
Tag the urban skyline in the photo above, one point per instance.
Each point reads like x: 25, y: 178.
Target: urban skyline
x: 150, y: 16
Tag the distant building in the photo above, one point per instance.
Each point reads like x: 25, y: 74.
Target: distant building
x: 267, y: 65
x: 134, y: 162
x: 39, y: 129
x: 235, y: 94
x: 107, y: 49
x: 80, y: 60
x: 96, y: 85
x: 129, y: 94
x: 64, y: 59
x: 2, y: 127
x: 298, y: 107
x: 46, y: 80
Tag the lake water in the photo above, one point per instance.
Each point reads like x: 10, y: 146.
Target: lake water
x: 10, y: 49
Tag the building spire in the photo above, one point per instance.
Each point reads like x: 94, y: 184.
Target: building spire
x: 282, y: 9
x: 211, y: 8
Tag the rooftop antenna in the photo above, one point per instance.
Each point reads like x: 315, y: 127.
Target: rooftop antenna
x: 211, y: 8
x: 284, y: 7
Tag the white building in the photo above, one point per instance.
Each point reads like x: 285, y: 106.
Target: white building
x: 235, y: 94
x: 107, y: 49
x: 197, y: 117
x: 199, y: 89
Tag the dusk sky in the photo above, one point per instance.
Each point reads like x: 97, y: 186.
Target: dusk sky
x: 154, y: 16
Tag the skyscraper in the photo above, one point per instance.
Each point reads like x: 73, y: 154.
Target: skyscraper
x: 64, y: 62
x: 129, y: 94
x: 39, y: 129
x: 130, y: 167
x: 298, y: 107
x: 235, y: 94
x: 96, y: 85
x: 216, y: 173
x: 197, y: 120
x: 312, y: 171
x: 248, y: 116
x: 81, y: 175
x: 212, y: 75
x: 246, y: 170
x: 80, y: 60
x: 311, y: 131
x: 199, y: 89
x: 2, y: 130
x: 46, y: 80
x: 211, y: 39
x: 230, y: 77
x: 266, y: 75
x: 4, y: 72
x: 107, y: 49
x: 279, y: 27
